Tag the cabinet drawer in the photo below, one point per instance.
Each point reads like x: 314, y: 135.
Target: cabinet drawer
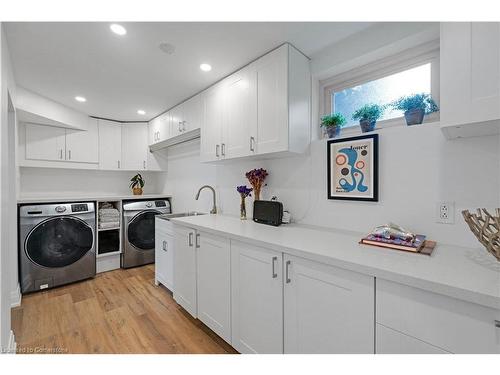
x: 448, y: 323
x: 390, y: 341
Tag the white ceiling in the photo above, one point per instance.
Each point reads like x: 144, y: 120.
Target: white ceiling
x: 119, y: 75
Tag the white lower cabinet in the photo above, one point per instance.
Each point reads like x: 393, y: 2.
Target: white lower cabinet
x: 327, y: 309
x: 447, y: 323
x: 390, y: 341
x: 185, y: 269
x: 256, y: 299
x: 214, y: 283
x: 164, y: 253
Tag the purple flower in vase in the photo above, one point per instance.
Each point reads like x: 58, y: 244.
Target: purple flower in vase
x: 244, y: 191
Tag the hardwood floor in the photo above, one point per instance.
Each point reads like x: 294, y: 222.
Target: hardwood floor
x: 121, y: 311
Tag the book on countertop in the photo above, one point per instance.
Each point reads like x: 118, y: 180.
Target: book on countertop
x: 414, y: 246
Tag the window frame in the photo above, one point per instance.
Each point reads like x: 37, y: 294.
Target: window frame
x: 405, y: 60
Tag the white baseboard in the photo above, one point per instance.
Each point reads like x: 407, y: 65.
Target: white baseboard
x: 12, y: 343
x: 15, y: 297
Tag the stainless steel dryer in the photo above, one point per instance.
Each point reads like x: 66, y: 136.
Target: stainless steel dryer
x: 56, y: 244
x: 139, y: 231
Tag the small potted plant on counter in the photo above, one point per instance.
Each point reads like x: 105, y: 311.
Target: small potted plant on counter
x: 244, y: 192
x: 137, y: 183
x: 333, y: 123
x: 368, y: 116
x: 415, y: 107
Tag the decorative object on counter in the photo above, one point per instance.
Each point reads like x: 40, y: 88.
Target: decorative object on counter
x: 137, y: 183
x: 244, y: 192
x: 415, y: 107
x: 332, y: 124
x: 395, y: 237
x: 486, y: 228
x: 109, y: 216
x: 368, y: 116
x: 352, y: 168
x: 256, y: 178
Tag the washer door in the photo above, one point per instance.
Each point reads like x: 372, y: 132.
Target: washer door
x: 59, y: 241
x: 141, y: 230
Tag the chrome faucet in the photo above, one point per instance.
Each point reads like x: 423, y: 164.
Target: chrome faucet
x: 214, y: 208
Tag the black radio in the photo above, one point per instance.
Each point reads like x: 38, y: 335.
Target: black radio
x: 268, y: 212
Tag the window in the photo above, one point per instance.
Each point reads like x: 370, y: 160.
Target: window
x: 381, y: 83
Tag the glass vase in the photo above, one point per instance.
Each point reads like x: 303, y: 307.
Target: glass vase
x: 256, y: 193
x: 243, y: 209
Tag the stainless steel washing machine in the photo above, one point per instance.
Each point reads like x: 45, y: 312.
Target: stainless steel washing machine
x: 56, y: 244
x: 139, y: 231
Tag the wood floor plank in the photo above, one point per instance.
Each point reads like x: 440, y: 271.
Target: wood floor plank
x: 121, y: 311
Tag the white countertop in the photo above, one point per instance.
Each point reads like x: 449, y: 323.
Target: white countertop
x: 465, y: 273
x: 76, y: 198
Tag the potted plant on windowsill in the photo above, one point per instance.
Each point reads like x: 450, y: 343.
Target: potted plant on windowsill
x: 415, y: 107
x: 137, y: 183
x: 368, y: 116
x: 333, y: 123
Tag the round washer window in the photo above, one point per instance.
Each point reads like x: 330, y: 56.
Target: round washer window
x: 141, y: 230
x: 59, y: 242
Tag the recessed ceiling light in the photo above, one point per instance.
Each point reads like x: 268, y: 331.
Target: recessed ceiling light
x: 118, y: 29
x: 80, y: 99
x: 205, y: 67
x: 141, y: 112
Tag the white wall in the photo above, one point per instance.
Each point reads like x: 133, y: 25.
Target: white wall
x: 418, y: 167
x: 57, y: 182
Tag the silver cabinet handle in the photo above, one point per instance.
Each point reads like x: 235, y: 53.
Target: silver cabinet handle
x: 275, y: 259
x: 60, y: 153
x: 183, y: 126
x: 158, y: 135
x: 144, y: 164
x: 164, y: 247
x: 197, y: 241
x: 190, y: 239
x: 287, y: 269
x: 179, y: 127
x: 69, y: 154
x: 118, y: 161
x: 217, y: 150
x: 497, y: 323
x: 223, y: 149
x: 252, y: 143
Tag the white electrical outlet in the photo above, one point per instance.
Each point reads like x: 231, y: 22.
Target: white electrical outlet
x: 445, y: 212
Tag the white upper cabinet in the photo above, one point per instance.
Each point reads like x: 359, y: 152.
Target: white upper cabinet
x: 83, y: 146
x: 186, y: 116
x: 159, y: 128
x: 45, y: 142
x: 327, y: 309
x: 470, y: 78
x: 265, y: 109
x: 110, y: 145
x: 211, y: 131
x: 239, y: 117
x: 134, y: 146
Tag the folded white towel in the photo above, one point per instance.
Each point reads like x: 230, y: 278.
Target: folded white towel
x: 111, y: 224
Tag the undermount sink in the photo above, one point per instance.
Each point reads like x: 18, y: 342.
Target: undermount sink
x: 181, y: 214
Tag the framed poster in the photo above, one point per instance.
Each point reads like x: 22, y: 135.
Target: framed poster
x: 352, y: 168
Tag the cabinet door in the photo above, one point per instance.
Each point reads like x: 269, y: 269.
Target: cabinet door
x: 191, y: 114
x: 163, y: 127
x: 176, y: 119
x: 390, y: 341
x: 272, y: 101
x: 164, y: 255
x: 257, y: 299
x: 110, y: 145
x: 153, y: 128
x: 212, y: 121
x: 134, y: 146
x: 45, y: 142
x: 214, y: 283
x: 185, y: 269
x: 240, y: 114
x: 327, y: 309
x: 83, y: 145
